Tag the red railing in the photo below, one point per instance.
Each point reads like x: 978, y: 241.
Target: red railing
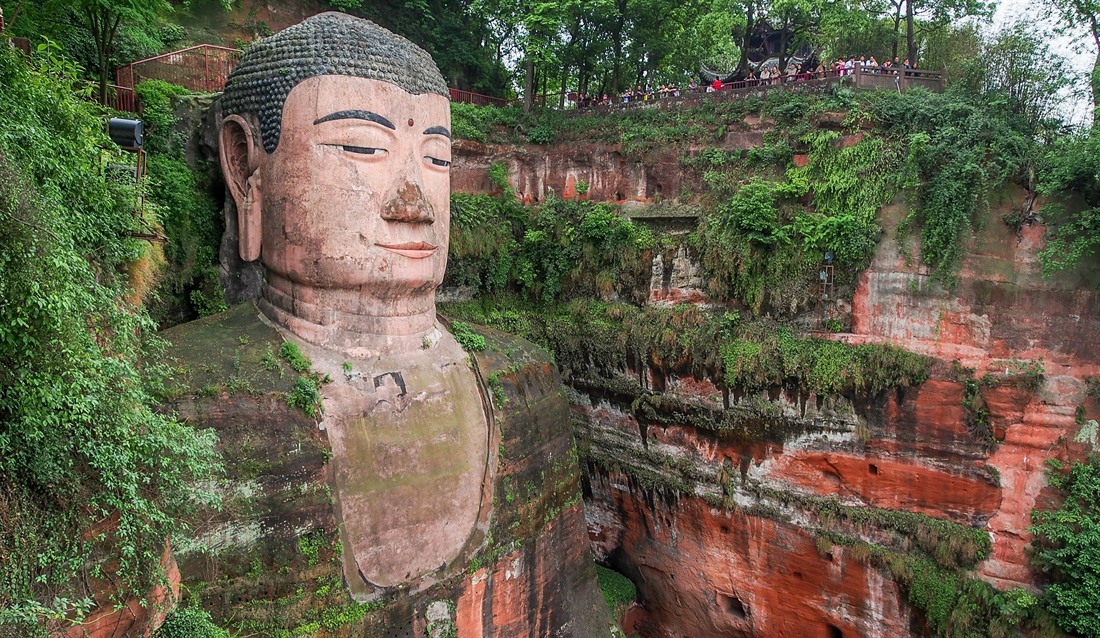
x: 203, y: 68
x: 119, y: 98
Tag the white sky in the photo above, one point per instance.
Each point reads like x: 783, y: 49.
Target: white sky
x: 1079, y: 50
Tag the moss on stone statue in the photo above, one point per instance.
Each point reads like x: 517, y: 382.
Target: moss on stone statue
x: 269, y: 562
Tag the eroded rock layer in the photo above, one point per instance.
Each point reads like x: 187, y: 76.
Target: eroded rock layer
x: 781, y: 513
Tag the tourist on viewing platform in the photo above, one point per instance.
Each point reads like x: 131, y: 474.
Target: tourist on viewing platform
x: 872, y: 65
x: 849, y: 65
x: 751, y: 79
x: 674, y: 89
x: 605, y: 101
x: 819, y: 72
x: 716, y: 85
x: 693, y: 86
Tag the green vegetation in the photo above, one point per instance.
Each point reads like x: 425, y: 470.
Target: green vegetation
x: 1071, y: 176
x: 306, y: 396
x: 545, y: 253
x: 88, y: 472
x: 179, y: 199
x: 590, y: 337
x: 306, y: 392
x: 189, y: 622
x: 617, y: 590
x: 467, y: 338
x: 292, y: 354
x: 1067, y: 547
x: 765, y: 356
x: 954, y: 604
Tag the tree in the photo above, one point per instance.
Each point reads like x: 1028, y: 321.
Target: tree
x: 928, y: 15
x: 1019, y: 66
x: 1070, y: 170
x: 1075, y: 16
x: 103, y: 18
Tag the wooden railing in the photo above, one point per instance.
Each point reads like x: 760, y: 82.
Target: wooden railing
x: 477, y: 99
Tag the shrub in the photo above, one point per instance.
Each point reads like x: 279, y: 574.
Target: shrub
x: 81, y: 443
x: 1067, y: 547
x: 467, y: 338
x: 189, y: 622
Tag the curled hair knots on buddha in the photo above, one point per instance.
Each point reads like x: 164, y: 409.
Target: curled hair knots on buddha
x: 326, y: 44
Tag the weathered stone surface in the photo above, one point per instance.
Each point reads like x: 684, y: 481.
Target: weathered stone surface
x: 920, y: 450
x: 271, y: 561
x: 538, y: 172
x: 706, y: 571
x: 134, y: 617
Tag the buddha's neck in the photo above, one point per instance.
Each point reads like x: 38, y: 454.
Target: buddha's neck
x: 356, y: 324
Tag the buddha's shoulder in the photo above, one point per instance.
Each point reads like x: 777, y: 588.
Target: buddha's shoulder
x: 517, y: 372
x: 235, y: 351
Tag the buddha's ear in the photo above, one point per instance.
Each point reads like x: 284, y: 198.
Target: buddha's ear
x: 240, y: 155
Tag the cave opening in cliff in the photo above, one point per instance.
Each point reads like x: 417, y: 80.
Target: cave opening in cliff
x: 834, y: 632
x: 732, y: 605
x: 872, y: 469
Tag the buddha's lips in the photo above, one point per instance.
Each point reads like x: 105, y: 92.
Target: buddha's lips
x: 412, y: 250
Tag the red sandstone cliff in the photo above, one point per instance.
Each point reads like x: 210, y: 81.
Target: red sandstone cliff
x: 744, y: 561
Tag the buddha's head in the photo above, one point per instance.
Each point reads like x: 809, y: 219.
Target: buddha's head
x: 335, y: 147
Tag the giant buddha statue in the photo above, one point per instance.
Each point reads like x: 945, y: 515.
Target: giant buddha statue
x: 452, y: 502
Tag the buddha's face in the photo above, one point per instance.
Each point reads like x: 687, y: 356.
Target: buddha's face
x: 357, y: 193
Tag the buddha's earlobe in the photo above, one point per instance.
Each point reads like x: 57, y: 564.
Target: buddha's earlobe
x: 240, y: 160
x: 250, y: 219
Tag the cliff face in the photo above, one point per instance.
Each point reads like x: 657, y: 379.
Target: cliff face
x: 741, y: 532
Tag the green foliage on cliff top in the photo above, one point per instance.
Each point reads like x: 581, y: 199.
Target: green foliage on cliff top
x: 561, y: 249
x: 1071, y: 176
x: 766, y: 356
x: 590, y: 338
x: 1067, y: 547
x: 767, y: 231
x: 87, y: 470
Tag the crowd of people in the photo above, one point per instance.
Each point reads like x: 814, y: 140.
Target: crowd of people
x: 794, y: 72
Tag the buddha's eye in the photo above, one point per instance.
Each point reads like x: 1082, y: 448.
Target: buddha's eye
x: 436, y: 161
x: 361, y: 150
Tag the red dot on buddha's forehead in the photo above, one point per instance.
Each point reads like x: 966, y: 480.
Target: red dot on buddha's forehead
x: 410, y: 121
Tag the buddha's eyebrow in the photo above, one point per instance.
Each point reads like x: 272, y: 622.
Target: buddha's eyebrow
x: 438, y: 130
x: 356, y: 114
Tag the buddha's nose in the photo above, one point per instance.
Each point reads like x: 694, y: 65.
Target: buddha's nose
x: 409, y: 206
